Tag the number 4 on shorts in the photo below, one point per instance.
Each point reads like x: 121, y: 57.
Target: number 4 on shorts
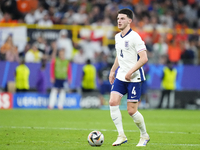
x: 133, y: 91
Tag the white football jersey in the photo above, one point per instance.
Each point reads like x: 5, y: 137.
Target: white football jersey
x: 127, y: 49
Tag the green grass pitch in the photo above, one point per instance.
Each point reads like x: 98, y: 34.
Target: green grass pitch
x: 68, y: 129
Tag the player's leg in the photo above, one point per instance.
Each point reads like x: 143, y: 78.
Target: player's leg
x: 161, y: 99
x: 115, y: 98
x: 61, y: 99
x: 168, y: 93
x: 139, y: 121
x: 134, y: 93
x: 117, y: 118
x: 53, y: 97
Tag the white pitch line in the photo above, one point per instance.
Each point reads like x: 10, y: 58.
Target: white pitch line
x: 55, y: 128
x: 192, y: 145
x: 189, y: 145
x: 163, y: 144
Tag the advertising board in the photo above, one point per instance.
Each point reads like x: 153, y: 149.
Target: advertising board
x: 35, y: 100
x: 6, y: 101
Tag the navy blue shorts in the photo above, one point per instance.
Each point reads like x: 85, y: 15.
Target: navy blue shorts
x: 132, y: 89
x: 59, y: 83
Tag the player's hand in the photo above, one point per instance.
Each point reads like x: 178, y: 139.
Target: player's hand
x: 112, y: 77
x: 128, y: 76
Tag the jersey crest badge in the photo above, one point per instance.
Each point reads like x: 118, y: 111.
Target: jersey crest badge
x: 127, y: 44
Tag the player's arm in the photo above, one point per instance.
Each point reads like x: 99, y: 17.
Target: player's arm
x: 112, y: 71
x: 142, y: 60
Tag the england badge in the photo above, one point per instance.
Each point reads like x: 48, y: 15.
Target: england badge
x: 127, y: 45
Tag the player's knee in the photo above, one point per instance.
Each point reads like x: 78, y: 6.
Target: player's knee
x: 54, y: 90
x: 62, y: 90
x: 112, y: 102
x: 131, y: 111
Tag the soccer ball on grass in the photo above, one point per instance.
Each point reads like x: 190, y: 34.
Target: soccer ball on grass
x: 95, y: 138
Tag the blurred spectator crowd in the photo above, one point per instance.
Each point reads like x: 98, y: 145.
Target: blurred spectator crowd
x: 170, y: 29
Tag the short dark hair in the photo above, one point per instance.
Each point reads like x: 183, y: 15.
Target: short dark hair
x: 127, y: 12
x: 88, y: 61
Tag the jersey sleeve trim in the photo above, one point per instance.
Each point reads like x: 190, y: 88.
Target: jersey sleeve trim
x: 141, y: 50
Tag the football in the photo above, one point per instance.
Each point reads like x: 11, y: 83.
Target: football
x: 95, y: 138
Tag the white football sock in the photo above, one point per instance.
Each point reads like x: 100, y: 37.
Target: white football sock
x: 117, y: 118
x: 53, y: 97
x: 139, y: 121
x: 61, y: 100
